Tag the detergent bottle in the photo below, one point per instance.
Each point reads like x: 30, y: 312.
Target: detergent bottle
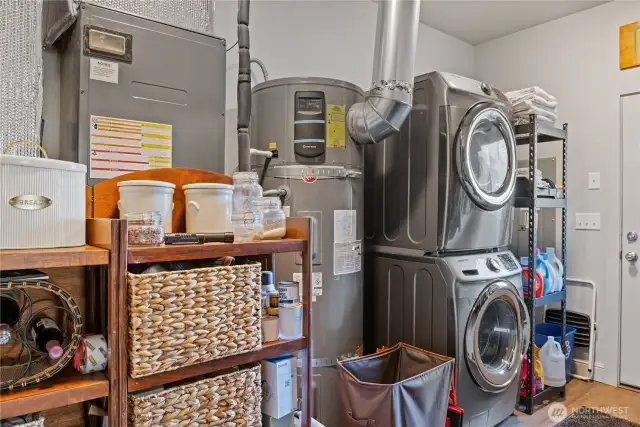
x: 545, y: 270
x: 553, y: 274
x: 553, y: 363
x: 557, y: 265
x: 538, y: 281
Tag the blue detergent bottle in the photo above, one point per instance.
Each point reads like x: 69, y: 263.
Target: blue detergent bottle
x: 544, y: 268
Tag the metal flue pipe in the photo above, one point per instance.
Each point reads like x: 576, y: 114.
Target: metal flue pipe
x: 391, y: 95
x: 244, y: 87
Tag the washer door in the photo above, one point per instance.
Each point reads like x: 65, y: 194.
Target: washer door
x: 496, y: 336
x: 486, y: 156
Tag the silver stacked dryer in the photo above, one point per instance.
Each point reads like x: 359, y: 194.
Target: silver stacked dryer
x: 438, y: 219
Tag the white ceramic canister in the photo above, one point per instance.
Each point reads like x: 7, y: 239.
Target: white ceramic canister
x: 147, y: 196
x: 208, y: 207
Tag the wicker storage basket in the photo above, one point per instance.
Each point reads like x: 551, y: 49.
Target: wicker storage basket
x: 181, y: 318
x: 228, y: 400
x: 38, y: 421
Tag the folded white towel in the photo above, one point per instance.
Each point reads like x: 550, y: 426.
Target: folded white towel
x: 530, y: 92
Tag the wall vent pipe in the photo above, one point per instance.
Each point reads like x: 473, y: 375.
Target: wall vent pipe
x: 244, y: 87
x: 390, y: 98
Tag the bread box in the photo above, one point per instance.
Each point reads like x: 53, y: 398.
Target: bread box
x: 42, y: 203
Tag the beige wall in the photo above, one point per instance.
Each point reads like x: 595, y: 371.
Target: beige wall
x: 322, y: 38
x: 576, y: 59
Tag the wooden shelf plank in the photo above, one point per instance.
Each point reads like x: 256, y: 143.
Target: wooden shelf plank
x: 270, y: 349
x: 148, y: 254
x: 19, y: 259
x: 65, y: 388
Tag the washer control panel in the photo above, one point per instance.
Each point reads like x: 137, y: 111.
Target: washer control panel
x: 508, y: 262
x: 490, y: 266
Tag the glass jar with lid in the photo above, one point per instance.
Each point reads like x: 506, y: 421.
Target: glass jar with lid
x: 145, y: 228
x: 247, y: 226
x: 274, y: 220
x: 246, y: 188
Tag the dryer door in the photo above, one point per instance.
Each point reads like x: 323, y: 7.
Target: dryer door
x: 486, y: 156
x: 496, y: 336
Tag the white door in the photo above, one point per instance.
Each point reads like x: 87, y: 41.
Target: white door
x: 630, y: 344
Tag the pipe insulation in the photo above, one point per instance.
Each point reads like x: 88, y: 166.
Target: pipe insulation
x: 244, y: 87
x: 20, y: 74
x: 390, y: 98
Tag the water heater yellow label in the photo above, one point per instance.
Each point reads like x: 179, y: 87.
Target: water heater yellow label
x: 335, y: 126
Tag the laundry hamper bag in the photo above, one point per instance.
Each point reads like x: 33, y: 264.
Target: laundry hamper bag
x: 403, y: 386
x: 232, y: 399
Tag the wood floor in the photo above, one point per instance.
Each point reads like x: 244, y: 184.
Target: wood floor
x: 586, y: 394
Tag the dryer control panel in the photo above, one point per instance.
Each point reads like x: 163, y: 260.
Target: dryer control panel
x: 490, y: 266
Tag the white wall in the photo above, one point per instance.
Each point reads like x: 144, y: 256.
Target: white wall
x: 322, y: 39
x: 576, y: 59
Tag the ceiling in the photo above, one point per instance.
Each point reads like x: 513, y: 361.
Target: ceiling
x: 479, y: 21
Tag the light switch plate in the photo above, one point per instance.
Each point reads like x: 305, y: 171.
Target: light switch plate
x: 594, y: 180
x: 593, y: 221
x: 587, y: 221
x: 581, y: 221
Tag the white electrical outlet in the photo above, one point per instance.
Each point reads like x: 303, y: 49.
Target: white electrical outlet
x: 594, y: 180
x: 587, y: 221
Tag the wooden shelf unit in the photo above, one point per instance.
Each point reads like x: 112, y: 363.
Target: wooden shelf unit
x: 271, y: 349
x: 298, y: 239
x: 66, y: 388
x: 86, y: 272
x: 107, y: 258
x: 21, y: 259
x: 150, y: 254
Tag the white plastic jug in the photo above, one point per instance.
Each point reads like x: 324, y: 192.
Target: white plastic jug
x: 557, y: 265
x: 553, y: 363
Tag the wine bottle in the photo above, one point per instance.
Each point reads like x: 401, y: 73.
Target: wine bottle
x: 47, y: 336
x: 9, y: 308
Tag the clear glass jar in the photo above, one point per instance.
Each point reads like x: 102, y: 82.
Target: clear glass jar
x: 145, y: 228
x: 246, y: 188
x: 274, y: 220
x: 246, y: 226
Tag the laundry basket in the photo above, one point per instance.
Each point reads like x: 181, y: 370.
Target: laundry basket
x: 403, y: 386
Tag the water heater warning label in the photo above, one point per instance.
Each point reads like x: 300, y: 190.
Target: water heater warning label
x: 119, y: 146
x: 335, y: 126
x: 347, y: 257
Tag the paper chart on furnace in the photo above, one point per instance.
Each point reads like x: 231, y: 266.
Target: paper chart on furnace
x: 120, y: 146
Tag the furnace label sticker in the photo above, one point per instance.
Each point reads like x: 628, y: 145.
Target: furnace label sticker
x: 347, y: 257
x: 105, y: 71
x: 335, y: 126
x: 119, y: 146
x: 344, y: 226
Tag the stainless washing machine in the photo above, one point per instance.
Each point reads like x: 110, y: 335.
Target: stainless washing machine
x: 466, y: 306
x: 444, y: 183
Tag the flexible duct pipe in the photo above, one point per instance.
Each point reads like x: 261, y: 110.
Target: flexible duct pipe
x: 244, y: 87
x: 391, y: 96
